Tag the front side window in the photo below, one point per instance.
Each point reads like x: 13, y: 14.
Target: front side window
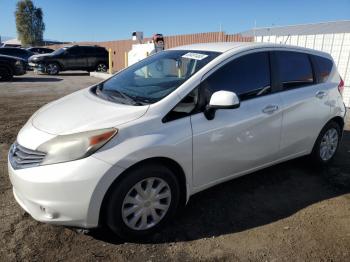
x: 59, y: 51
x: 248, y: 76
x: 294, y: 68
x: 155, y: 77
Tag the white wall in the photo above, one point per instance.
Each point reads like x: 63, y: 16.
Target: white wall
x: 338, y: 45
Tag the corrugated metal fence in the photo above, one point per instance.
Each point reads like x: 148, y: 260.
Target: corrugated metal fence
x: 120, y: 47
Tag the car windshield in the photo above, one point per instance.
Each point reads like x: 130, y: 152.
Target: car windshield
x: 59, y: 51
x: 153, y: 78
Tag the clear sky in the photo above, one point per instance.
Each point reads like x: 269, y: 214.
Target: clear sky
x: 101, y: 20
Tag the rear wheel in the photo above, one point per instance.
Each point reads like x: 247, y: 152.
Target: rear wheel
x: 52, y: 68
x: 5, y: 74
x: 327, y: 143
x: 101, y: 67
x: 142, y: 202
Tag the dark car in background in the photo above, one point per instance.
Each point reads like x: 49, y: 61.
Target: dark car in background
x: 40, y: 50
x: 17, y: 52
x: 10, y: 66
x: 89, y: 58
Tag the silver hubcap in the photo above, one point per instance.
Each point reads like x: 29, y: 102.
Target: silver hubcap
x: 52, y: 69
x: 146, y: 203
x: 329, y: 144
x: 101, y: 68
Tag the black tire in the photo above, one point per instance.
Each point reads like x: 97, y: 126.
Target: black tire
x: 101, y: 67
x: 52, y: 68
x: 113, y: 215
x: 5, y: 74
x: 316, y: 152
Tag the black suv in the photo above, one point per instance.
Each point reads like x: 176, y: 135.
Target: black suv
x: 76, y: 57
x: 17, y: 52
x: 10, y: 66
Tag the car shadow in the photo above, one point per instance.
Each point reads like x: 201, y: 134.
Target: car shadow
x: 74, y: 74
x: 254, y: 200
x: 36, y: 79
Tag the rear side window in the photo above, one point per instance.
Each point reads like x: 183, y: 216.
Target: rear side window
x: 76, y: 50
x: 294, y: 69
x: 325, y: 66
x: 248, y: 76
x: 87, y: 50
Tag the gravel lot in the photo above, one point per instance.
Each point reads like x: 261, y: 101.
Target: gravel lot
x: 289, y: 212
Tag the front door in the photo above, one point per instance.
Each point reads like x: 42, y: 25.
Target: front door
x: 242, y: 139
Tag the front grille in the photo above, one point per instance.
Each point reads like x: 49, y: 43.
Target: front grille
x: 21, y: 157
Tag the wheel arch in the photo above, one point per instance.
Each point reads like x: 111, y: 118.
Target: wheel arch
x: 55, y: 62
x: 339, y: 120
x: 101, y: 62
x: 168, y: 162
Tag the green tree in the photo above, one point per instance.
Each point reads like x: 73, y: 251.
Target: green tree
x: 29, y: 23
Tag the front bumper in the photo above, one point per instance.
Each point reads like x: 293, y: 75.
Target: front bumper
x: 60, y: 193
x: 39, y: 67
x: 20, y: 70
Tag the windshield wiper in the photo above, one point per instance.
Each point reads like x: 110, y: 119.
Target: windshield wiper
x: 118, y: 95
x: 144, y: 100
x: 114, y: 95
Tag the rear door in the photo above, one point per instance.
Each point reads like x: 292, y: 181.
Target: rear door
x: 75, y: 58
x: 90, y: 53
x: 305, y: 104
x: 242, y: 139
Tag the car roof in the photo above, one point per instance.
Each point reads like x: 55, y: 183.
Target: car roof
x: 223, y: 47
x: 13, y: 48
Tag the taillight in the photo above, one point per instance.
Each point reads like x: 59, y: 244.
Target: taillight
x: 341, y: 86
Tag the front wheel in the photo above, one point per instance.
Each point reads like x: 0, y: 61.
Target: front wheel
x: 327, y: 143
x: 52, y: 69
x: 142, y: 202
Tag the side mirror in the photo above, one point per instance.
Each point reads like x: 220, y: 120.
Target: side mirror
x: 221, y: 100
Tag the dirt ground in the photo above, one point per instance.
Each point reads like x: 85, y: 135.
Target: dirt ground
x: 289, y: 212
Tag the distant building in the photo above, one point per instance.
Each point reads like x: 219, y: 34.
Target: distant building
x: 330, y: 37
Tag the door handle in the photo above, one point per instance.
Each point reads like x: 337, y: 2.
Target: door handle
x: 270, y: 109
x: 320, y: 94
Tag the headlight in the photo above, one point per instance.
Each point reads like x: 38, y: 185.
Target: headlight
x: 75, y: 146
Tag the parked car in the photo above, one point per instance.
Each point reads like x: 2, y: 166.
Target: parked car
x: 128, y: 152
x: 40, y: 50
x: 76, y: 57
x: 10, y: 66
x: 17, y: 52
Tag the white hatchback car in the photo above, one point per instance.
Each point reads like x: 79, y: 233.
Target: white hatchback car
x: 129, y: 151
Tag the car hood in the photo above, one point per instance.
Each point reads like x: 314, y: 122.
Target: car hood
x: 38, y: 57
x: 83, y: 111
x: 13, y: 58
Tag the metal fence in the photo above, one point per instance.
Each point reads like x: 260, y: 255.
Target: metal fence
x: 120, y: 47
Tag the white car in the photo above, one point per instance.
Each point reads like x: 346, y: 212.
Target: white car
x: 129, y: 151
